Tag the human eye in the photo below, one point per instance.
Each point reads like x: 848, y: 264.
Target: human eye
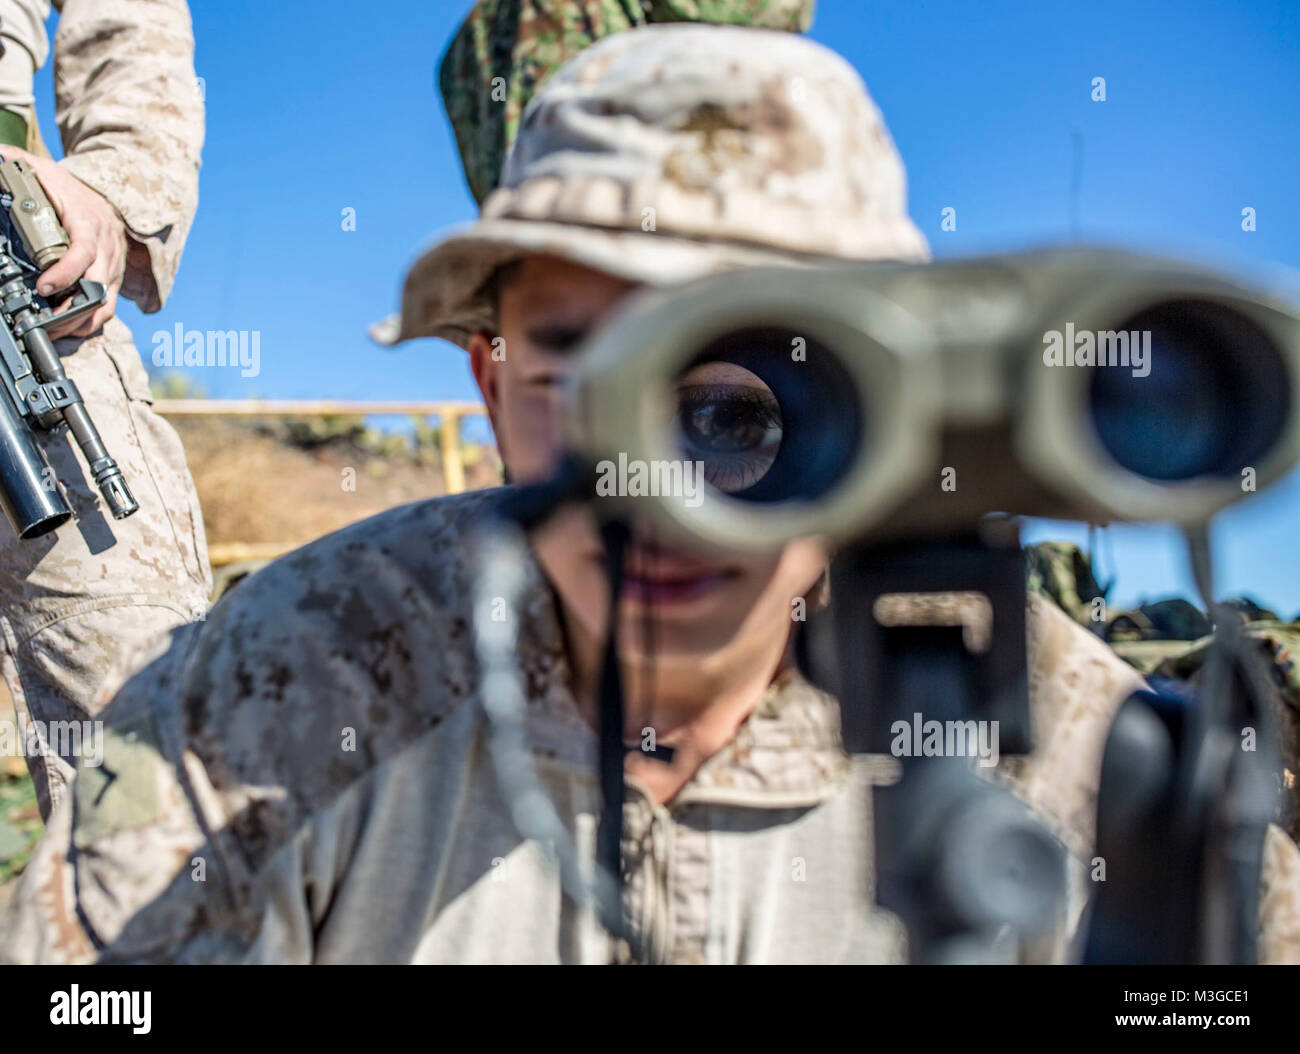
x: 734, y: 430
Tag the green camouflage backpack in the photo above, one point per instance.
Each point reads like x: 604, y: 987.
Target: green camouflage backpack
x: 506, y: 49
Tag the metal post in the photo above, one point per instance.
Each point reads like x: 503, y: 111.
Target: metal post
x: 453, y: 462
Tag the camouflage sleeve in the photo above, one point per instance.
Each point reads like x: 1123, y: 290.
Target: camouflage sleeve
x: 125, y: 869
x: 131, y: 118
x: 26, y: 47
x: 506, y: 49
x: 228, y: 798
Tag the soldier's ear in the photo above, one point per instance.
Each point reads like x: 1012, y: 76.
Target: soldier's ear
x: 488, y: 378
x: 484, y: 370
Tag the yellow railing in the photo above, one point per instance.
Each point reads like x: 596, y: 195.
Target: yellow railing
x: 449, y: 416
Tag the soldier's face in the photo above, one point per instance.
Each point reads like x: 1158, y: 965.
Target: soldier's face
x: 699, y: 605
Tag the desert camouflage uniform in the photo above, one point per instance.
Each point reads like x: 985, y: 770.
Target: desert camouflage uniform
x: 304, y: 777
x: 131, y: 120
x: 507, y: 48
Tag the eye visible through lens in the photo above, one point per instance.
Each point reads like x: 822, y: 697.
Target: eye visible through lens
x: 730, y: 421
x: 770, y: 414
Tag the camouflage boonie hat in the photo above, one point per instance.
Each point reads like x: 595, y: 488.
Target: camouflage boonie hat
x: 506, y: 49
x: 665, y: 153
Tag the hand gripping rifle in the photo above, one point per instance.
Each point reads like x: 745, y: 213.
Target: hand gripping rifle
x: 35, y: 393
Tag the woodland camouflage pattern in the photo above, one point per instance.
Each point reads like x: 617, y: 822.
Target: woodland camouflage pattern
x: 507, y: 48
x: 303, y: 777
x: 131, y: 119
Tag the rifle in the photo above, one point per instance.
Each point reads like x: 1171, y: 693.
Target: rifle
x: 36, y: 395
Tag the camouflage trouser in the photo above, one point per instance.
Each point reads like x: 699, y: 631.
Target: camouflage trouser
x: 72, y: 602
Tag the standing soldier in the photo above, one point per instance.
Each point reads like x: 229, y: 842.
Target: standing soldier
x: 130, y: 117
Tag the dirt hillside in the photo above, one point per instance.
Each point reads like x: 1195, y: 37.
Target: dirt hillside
x: 264, y: 482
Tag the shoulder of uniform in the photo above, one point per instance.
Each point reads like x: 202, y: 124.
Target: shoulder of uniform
x: 326, y: 663
x: 1057, y: 643
x: 1076, y: 685
x: 228, y: 737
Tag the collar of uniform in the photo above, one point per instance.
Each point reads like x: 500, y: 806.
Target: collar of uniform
x: 787, y: 753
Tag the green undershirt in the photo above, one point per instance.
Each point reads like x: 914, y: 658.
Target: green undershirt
x: 13, y: 129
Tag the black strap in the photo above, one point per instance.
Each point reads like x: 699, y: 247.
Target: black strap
x: 609, y: 831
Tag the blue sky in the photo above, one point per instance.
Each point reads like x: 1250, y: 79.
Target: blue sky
x: 317, y: 107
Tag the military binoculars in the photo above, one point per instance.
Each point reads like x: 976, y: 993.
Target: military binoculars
x: 879, y: 401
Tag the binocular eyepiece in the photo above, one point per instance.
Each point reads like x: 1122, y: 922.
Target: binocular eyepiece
x: 884, y: 401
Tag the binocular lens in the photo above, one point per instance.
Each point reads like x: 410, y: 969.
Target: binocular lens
x: 1204, y: 393
x: 770, y: 415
